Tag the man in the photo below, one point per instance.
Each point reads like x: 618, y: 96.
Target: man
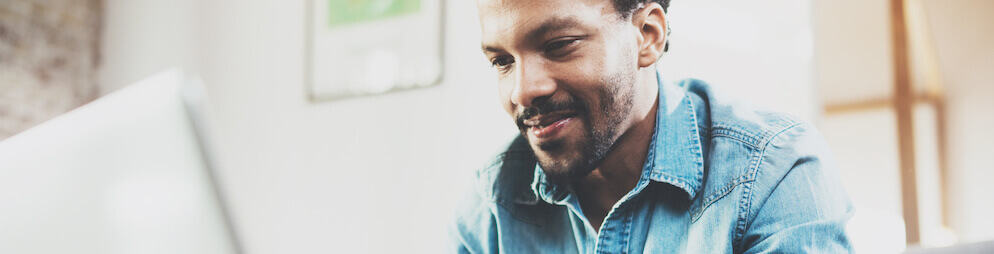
x: 614, y: 159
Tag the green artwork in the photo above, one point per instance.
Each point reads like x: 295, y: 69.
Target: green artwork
x: 343, y: 12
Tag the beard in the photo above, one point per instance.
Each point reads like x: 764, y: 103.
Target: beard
x: 600, y: 134
x: 592, y: 147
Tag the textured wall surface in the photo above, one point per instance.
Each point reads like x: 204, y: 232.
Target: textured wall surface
x: 48, y: 59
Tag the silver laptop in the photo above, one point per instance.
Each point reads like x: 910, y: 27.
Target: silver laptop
x: 127, y: 173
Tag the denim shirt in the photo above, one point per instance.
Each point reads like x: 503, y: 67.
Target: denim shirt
x: 719, y: 177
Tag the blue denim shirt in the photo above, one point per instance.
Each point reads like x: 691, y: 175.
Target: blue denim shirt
x: 719, y: 177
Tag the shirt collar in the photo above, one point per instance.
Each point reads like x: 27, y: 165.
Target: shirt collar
x: 675, y: 157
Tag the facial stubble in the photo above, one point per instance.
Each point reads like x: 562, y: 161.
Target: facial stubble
x: 598, y: 137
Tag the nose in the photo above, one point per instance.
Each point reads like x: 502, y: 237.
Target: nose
x: 533, y: 83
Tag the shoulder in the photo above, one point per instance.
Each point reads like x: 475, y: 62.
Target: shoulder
x: 730, y: 117
x: 787, y: 169
x: 777, y: 141
x: 752, y: 145
x: 771, y: 136
x: 796, y: 191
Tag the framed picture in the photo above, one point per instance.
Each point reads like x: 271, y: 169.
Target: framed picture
x: 364, y: 47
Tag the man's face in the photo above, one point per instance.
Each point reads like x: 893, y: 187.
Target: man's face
x: 566, y: 72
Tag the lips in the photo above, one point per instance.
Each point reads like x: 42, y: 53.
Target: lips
x: 548, y: 125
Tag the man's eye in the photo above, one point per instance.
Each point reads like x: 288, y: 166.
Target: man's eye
x: 502, y: 62
x: 560, y: 44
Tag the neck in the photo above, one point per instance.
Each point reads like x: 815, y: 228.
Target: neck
x: 620, y: 171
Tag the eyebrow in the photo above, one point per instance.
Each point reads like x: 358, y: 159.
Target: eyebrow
x: 549, y: 25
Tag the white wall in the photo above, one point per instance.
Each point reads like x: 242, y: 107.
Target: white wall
x: 760, y: 51
x: 142, y: 37
x: 375, y: 174
x: 964, y: 35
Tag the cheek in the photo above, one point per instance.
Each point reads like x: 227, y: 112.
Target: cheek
x: 504, y: 89
x: 587, y: 70
x: 583, y: 77
x: 619, y: 58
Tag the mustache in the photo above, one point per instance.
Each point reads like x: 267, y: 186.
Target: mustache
x: 548, y: 106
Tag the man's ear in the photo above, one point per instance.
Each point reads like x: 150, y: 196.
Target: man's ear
x: 651, y: 21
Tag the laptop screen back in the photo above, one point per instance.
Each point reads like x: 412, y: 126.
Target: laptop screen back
x: 123, y: 174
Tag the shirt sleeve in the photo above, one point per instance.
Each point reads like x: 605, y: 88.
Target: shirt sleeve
x: 803, y: 207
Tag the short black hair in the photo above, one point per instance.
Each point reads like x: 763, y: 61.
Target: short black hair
x: 627, y: 7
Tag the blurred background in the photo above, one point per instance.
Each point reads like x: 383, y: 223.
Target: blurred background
x: 901, y: 90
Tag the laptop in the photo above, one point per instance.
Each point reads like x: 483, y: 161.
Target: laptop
x: 127, y: 173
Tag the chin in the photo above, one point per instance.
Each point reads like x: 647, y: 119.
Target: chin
x: 560, y: 149
x: 563, y: 164
x: 563, y: 172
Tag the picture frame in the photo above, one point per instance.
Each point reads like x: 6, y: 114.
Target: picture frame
x: 366, y: 47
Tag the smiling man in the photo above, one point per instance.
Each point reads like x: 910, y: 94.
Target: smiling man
x: 612, y: 158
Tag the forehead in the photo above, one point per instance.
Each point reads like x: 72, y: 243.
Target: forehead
x: 506, y: 19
